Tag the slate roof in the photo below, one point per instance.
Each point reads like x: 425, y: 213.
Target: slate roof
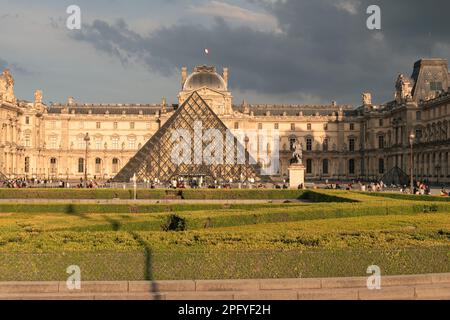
x: 114, y: 109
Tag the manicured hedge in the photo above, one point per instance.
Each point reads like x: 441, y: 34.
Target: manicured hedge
x: 222, y: 264
x: 187, y: 194
x: 400, y: 196
x: 210, y: 194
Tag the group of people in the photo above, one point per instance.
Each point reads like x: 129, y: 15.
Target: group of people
x: 19, y: 183
x: 421, y: 188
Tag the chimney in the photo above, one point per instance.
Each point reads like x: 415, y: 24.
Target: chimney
x: 183, y: 76
x: 225, y: 77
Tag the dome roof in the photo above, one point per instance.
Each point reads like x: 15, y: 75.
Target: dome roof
x: 204, y: 77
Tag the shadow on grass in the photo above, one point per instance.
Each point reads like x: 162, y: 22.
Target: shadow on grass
x: 116, y: 226
x: 318, y: 197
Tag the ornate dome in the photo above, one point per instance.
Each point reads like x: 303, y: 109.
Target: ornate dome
x: 204, y: 76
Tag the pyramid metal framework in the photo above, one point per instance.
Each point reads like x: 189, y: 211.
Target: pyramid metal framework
x: 396, y: 176
x: 154, y: 161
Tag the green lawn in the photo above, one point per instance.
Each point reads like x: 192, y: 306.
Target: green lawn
x: 335, y: 233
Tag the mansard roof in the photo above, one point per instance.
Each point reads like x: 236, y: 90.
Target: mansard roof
x: 136, y: 109
x: 295, y: 110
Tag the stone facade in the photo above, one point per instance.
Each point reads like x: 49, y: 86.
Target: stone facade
x: 340, y: 142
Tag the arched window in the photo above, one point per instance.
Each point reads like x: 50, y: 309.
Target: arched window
x: 115, y: 165
x: 98, y: 165
x: 80, y: 165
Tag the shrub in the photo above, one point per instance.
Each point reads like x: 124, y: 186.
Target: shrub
x: 174, y: 223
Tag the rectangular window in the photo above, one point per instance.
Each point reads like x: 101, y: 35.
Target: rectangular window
x: 292, y: 126
x: 435, y: 86
x: 381, y: 142
x: 132, y: 125
x: 381, y: 122
x: 325, y: 126
x: 351, y: 166
x: 308, y: 127
x: 309, y: 144
x: 381, y: 166
x: 115, y: 125
x: 27, y: 140
x: 309, y: 167
x: 276, y: 126
x: 80, y: 165
x: 325, y: 166
x: 260, y: 126
x: 98, y: 125
x: 53, y: 143
x: 27, y: 120
x: 418, y: 115
x: 98, y: 166
x: 325, y: 145
x: 418, y: 135
x: 27, y: 165
x: 352, y: 126
x: 115, y: 143
x: 236, y: 125
x: 351, y: 144
x: 132, y: 144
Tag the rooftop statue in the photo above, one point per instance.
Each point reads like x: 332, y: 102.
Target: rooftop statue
x: 38, y: 97
x: 7, y: 86
x: 403, y: 89
x: 367, y: 98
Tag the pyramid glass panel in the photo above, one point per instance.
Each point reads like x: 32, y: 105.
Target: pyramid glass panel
x: 155, y: 161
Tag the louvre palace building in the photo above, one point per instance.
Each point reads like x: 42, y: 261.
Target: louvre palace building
x: 339, y: 142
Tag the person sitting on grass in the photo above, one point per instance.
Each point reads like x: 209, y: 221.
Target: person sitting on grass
x: 444, y: 192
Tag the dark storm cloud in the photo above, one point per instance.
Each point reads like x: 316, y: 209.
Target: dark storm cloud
x: 324, y: 48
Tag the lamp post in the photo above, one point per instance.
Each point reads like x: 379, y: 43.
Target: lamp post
x: 411, y: 143
x: 86, y: 140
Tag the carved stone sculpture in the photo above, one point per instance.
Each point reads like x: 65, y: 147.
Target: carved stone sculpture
x: 38, y: 97
x: 367, y: 98
x: 297, y: 156
x: 7, y: 86
x: 403, y: 89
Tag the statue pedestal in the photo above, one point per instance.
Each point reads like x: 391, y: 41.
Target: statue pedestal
x: 296, y: 175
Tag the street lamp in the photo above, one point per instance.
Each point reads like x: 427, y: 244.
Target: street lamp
x: 411, y: 143
x: 86, y: 140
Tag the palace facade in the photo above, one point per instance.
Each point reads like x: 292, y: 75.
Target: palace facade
x: 340, y: 142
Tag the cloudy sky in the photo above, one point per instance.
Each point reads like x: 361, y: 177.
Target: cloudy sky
x: 278, y: 51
